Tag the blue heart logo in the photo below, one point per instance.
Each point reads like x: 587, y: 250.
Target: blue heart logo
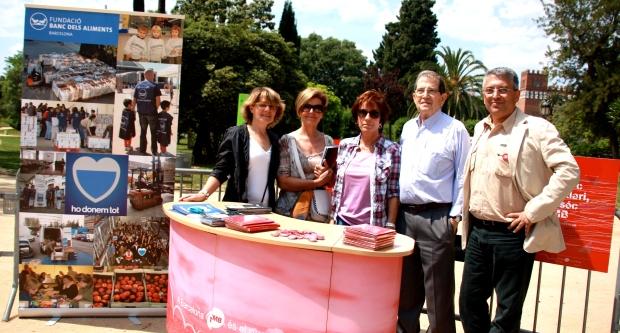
x: 141, y: 251
x: 96, y: 180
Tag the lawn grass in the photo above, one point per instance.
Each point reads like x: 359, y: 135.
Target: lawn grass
x: 9, y: 153
x: 182, y: 146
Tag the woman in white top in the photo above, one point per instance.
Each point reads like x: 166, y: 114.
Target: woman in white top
x: 248, y: 156
x: 301, y: 150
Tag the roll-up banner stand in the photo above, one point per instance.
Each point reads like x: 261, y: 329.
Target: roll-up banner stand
x: 100, y: 109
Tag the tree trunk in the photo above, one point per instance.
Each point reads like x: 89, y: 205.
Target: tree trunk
x: 203, y: 142
x: 138, y: 5
x: 613, y: 144
x: 161, y: 8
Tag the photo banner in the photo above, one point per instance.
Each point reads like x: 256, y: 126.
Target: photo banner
x: 99, y: 112
x: 587, y: 217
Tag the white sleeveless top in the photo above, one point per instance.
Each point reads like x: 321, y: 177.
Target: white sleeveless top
x: 258, y: 172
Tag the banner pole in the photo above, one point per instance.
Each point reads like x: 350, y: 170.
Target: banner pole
x: 9, y: 305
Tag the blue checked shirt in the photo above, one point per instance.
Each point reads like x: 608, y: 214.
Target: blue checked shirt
x: 385, y: 176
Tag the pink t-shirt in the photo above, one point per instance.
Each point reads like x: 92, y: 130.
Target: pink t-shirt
x: 355, y: 201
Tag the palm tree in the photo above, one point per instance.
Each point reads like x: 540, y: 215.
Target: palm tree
x: 463, y: 75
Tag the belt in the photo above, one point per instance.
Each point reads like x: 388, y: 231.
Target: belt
x: 487, y: 224
x: 413, y: 208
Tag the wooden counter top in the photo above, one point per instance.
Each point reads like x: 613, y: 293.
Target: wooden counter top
x: 333, y: 234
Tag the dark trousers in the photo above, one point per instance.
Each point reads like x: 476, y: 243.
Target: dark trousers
x: 428, y: 273
x: 494, y: 259
x: 148, y: 121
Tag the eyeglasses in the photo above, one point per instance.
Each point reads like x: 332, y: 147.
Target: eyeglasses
x: 318, y: 108
x: 428, y: 91
x: 374, y: 114
x: 500, y: 90
x: 263, y: 106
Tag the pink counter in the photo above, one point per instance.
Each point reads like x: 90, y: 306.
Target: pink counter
x: 222, y: 280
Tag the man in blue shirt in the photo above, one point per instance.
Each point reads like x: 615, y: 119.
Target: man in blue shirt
x: 146, y: 98
x: 434, y: 151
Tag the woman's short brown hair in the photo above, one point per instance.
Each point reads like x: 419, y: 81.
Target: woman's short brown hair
x: 269, y: 95
x: 307, y: 94
x: 372, y: 96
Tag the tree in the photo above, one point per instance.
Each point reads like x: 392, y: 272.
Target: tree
x: 463, y: 75
x: 335, y: 63
x: 138, y: 5
x: 228, y: 59
x: 574, y: 128
x: 587, y: 33
x: 11, y: 89
x: 614, y: 114
x: 288, y: 26
x: 388, y: 84
x: 256, y: 15
x: 409, y: 44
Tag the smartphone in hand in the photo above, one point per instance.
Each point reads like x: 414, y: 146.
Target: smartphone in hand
x: 330, y: 153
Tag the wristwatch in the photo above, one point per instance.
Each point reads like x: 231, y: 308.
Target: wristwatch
x: 457, y: 218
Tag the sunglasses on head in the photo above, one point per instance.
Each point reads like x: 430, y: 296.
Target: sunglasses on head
x: 318, y: 108
x: 373, y: 113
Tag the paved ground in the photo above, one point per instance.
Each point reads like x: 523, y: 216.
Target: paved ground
x: 599, y: 310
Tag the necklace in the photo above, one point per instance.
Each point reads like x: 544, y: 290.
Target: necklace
x: 364, y: 148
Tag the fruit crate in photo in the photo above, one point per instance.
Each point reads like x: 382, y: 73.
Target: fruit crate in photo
x: 128, y: 282
x: 105, y: 281
x: 152, y: 278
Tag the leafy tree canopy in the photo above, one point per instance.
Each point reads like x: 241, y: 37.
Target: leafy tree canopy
x: 11, y: 89
x: 334, y: 63
x: 388, y: 84
x: 463, y: 75
x: 288, y: 26
x: 409, y: 44
x: 255, y: 14
x: 228, y: 59
x: 587, y: 33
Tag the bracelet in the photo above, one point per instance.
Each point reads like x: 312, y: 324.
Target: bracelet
x: 207, y: 194
x: 390, y: 225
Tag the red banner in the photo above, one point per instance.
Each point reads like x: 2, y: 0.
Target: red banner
x: 587, y: 217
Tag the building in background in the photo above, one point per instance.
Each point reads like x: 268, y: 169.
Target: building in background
x: 534, y: 93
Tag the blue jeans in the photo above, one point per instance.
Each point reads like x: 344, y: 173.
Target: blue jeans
x: 146, y: 121
x: 48, y: 129
x: 82, y: 132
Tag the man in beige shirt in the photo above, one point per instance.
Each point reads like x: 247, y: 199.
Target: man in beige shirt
x: 517, y: 173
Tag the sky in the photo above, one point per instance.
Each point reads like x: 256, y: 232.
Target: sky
x: 497, y: 32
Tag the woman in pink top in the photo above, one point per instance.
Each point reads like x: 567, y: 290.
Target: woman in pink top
x: 368, y: 167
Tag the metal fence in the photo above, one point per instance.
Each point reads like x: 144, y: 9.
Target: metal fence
x: 10, y: 200
x: 191, y: 180
x: 615, y: 317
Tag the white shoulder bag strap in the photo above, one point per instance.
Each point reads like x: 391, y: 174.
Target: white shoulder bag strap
x: 293, y: 150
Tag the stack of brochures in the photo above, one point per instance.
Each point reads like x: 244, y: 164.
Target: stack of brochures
x: 203, y: 212
x: 250, y: 223
x: 214, y: 220
x: 246, y: 209
x: 195, y: 208
x: 369, y: 236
